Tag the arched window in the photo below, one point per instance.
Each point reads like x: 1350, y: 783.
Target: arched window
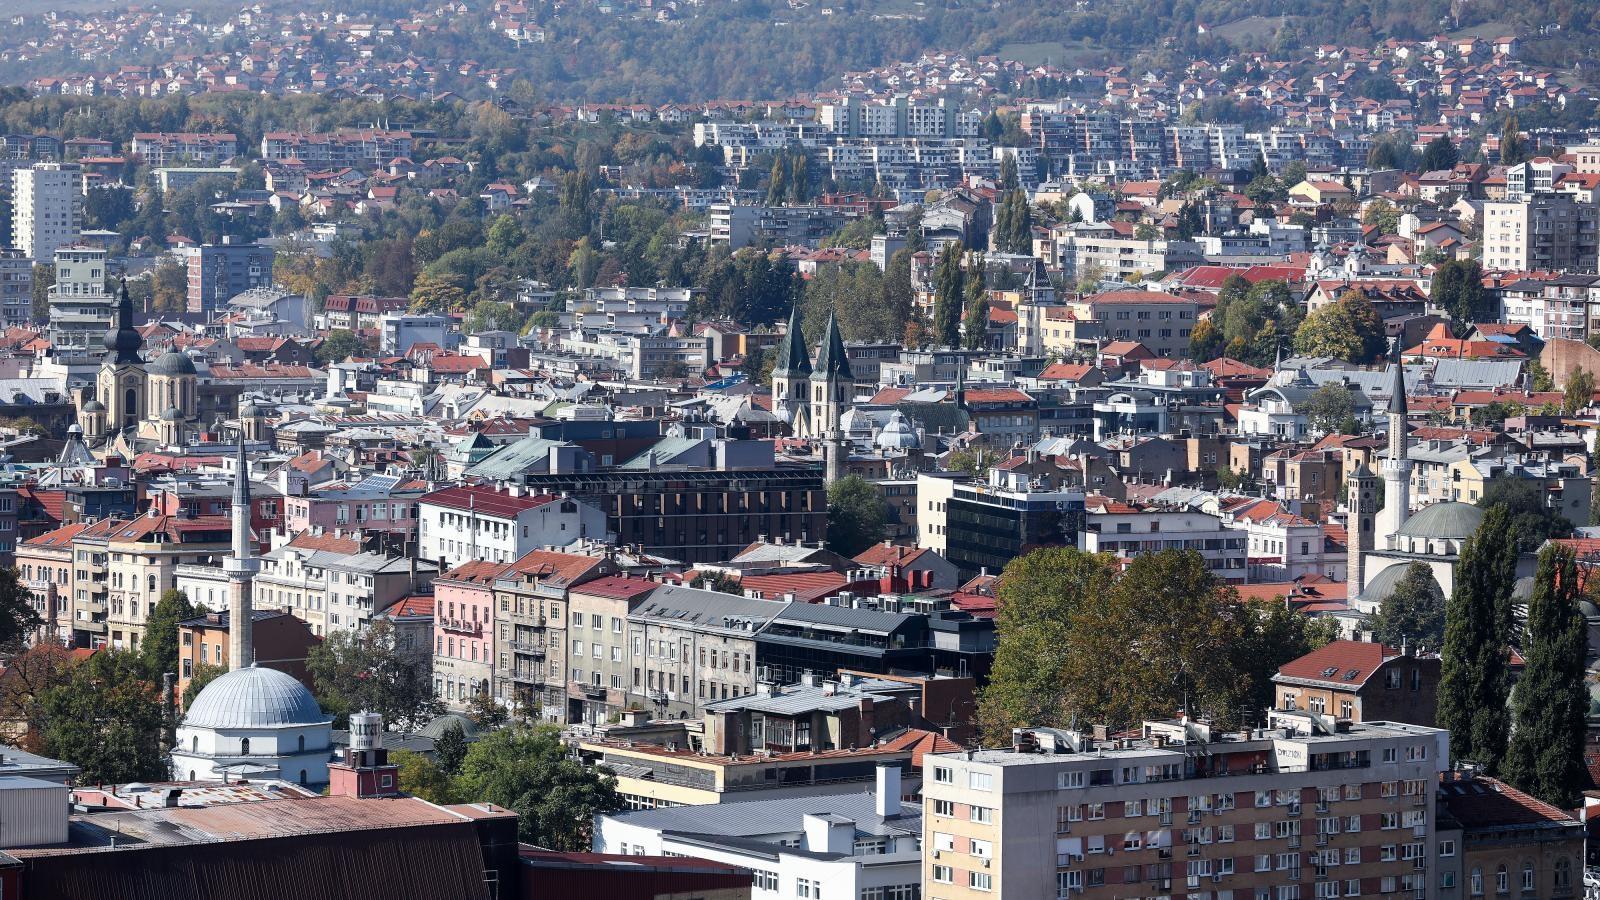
x: 152, y: 583
x: 302, y: 776
x: 244, y: 750
x: 302, y: 743
x: 1563, y: 873
x: 1502, y: 880
x: 1527, y: 875
x: 191, y: 774
x: 194, y: 744
x: 1477, y: 882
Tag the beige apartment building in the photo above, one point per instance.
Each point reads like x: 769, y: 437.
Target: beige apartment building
x: 142, y: 558
x: 1309, y: 809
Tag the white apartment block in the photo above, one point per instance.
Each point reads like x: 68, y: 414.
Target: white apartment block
x: 1125, y: 532
x: 499, y: 524
x: 48, y: 210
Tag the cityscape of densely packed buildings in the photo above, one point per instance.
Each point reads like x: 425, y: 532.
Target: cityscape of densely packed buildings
x: 976, y: 479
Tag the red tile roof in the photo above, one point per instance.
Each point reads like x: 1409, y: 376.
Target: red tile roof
x: 1113, y: 297
x: 890, y: 555
x: 60, y: 537
x: 617, y: 587
x: 476, y: 572
x: 418, y: 606
x: 554, y: 566
x: 1483, y: 802
x: 1333, y: 663
x: 330, y: 543
x: 1065, y: 371
x: 489, y: 501
x: 995, y: 395
x: 921, y: 743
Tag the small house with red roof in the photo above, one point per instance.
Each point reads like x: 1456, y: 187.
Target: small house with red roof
x: 1361, y: 682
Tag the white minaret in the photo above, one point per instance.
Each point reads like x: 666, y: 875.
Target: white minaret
x: 1396, y: 466
x: 241, y: 568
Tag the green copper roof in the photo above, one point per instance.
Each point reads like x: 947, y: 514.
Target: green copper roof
x: 793, y: 360
x: 832, y: 361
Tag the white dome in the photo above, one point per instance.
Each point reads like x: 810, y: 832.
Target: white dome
x: 254, y: 698
x: 898, y: 434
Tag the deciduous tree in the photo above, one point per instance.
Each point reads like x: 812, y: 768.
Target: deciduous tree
x: 107, y: 720
x: 1413, y: 613
x: 159, y: 648
x: 356, y: 670
x: 1038, y: 598
x: 528, y: 771
x: 856, y: 515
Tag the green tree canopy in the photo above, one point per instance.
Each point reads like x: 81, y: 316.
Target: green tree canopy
x: 422, y: 777
x: 18, y: 618
x: 1551, y: 699
x: 1439, y: 154
x: 949, y: 293
x: 1332, y: 410
x: 1038, y: 598
x: 450, y: 750
x: 204, y: 674
x: 340, y: 345
x: 1458, y: 290
x: 1350, y: 329
x: 1532, y: 519
x: 1413, y: 613
x: 365, y: 670
x: 1474, y: 675
x: 159, y: 648
x: 527, y: 770
x: 857, y: 514
x: 107, y: 720
x: 1578, y: 393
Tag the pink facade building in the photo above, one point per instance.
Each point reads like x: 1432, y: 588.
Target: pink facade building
x: 463, y: 631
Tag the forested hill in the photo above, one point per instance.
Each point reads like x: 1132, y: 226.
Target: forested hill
x: 759, y: 49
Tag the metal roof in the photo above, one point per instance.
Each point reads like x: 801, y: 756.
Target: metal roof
x: 844, y: 617
x: 784, y: 815
x: 695, y: 608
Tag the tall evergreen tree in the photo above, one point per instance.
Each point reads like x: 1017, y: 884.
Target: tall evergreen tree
x: 975, y: 321
x: 1513, y: 148
x: 1009, y: 180
x: 776, y: 186
x: 947, y: 297
x: 1550, y: 701
x: 1439, y: 154
x: 1474, y: 678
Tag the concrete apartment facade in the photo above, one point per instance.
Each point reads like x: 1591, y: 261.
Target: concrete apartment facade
x: 1309, y: 809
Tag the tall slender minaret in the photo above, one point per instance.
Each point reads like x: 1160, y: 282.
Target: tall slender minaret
x: 241, y: 568
x: 1396, y: 466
